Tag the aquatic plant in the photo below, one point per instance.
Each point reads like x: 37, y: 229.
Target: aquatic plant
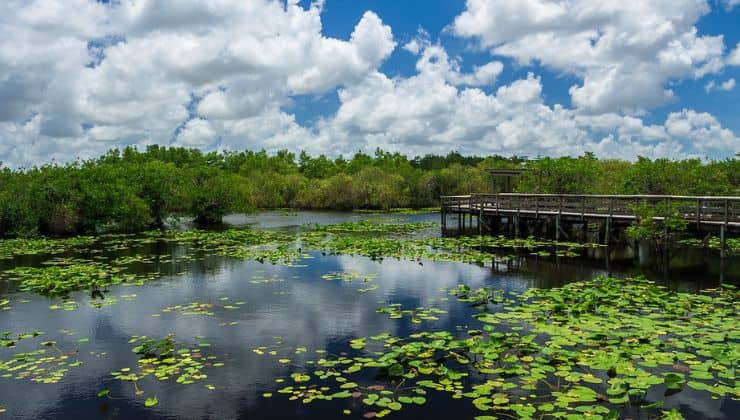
x: 417, y: 315
x: 585, y: 349
x: 374, y: 226
x: 162, y: 360
x: 10, y: 248
x: 59, y: 280
x: 60, y: 275
x: 713, y: 242
x: 48, y: 364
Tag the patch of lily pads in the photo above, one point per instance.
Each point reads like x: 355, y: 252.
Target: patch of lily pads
x: 165, y: 360
x: 10, y: 248
x: 587, y: 349
x: 198, y: 309
x: 374, y: 226
x: 349, y: 276
x: 59, y: 280
x: 47, y: 364
x: 713, y: 242
x: 416, y: 315
x: 376, y: 239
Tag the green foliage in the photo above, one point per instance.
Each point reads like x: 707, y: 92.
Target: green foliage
x: 578, y: 351
x: 658, y: 222
x: 130, y: 190
x: 211, y: 195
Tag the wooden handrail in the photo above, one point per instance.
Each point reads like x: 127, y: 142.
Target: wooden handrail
x: 620, y: 196
x: 712, y: 209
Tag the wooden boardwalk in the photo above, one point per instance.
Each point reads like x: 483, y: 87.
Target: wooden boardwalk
x: 715, y: 211
x: 713, y: 214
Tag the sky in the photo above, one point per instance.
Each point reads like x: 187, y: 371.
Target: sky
x: 621, y: 79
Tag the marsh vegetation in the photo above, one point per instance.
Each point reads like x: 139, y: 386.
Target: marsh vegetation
x: 369, y: 316
x: 132, y: 191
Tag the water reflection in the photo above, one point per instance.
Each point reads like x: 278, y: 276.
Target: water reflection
x: 301, y: 308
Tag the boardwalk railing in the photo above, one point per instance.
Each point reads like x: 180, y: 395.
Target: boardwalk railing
x: 701, y: 210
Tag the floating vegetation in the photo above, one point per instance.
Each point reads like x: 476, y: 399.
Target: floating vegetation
x: 10, y: 248
x: 368, y: 289
x: 396, y: 311
x: 265, y: 280
x: 46, y: 365
x: 191, y: 309
x: 585, y: 349
x: 198, y: 308
x: 9, y: 339
x: 402, y: 211
x: 373, y: 226
x: 67, y: 305
x: 5, y: 304
x: 713, y: 242
x: 469, y: 249
x: 162, y: 360
x: 349, y: 276
x: 480, y: 297
x: 128, y: 260
x: 59, y: 276
x: 56, y: 280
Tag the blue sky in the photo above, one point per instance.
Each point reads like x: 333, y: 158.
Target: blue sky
x: 528, y: 77
x: 406, y: 17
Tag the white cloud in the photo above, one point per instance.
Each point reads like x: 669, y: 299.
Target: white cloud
x: 78, y: 77
x: 135, y: 71
x: 726, y: 86
x: 702, y: 130
x: 733, y: 58
x: 428, y: 113
x: 625, y: 52
x: 197, y: 133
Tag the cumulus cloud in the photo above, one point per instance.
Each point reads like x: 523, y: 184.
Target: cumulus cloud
x: 624, y: 52
x: 138, y: 71
x: 430, y: 112
x: 734, y: 58
x: 78, y: 77
x: 726, y: 86
x: 434, y: 60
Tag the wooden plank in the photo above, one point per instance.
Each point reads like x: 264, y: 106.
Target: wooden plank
x: 697, y: 209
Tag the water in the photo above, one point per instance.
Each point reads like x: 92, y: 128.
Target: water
x: 299, y: 307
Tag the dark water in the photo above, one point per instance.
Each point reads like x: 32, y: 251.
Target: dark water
x: 300, y: 308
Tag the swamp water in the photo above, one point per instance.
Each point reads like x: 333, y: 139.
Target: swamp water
x: 193, y: 325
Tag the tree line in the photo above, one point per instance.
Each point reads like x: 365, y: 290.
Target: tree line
x: 130, y: 190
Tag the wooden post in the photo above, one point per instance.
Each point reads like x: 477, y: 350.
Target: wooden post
x: 557, y: 228
x: 480, y: 216
x: 727, y: 213
x: 698, y: 212
x: 516, y: 225
x: 665, y: 218
x: 583, y: 207
x: 607, y: 228
x: 722, y: 241
x: 611, y: 207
